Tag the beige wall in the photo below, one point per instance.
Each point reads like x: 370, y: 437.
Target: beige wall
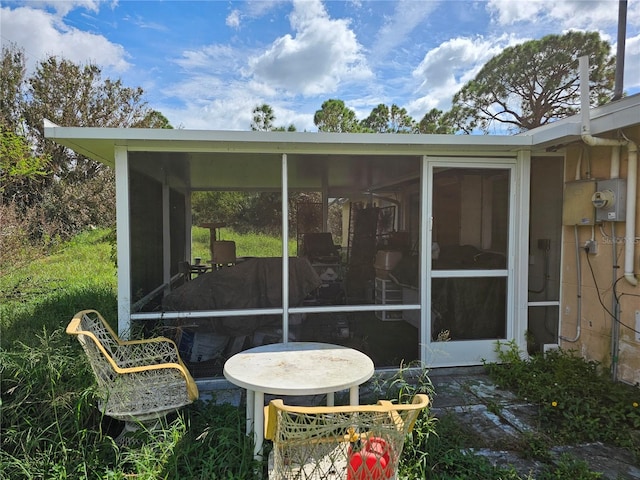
x: 595, y: 339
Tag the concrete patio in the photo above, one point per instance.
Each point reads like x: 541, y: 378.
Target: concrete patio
x: 500, y: 421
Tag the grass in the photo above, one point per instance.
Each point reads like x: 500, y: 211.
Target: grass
x: 47, y: 291
x: 51, y: 428
x: 247, y: 245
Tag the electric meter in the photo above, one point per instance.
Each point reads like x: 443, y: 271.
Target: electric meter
x: 603, y: 199
x: 610, y: 200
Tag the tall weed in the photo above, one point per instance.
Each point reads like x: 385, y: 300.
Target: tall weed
x: 47, y: 410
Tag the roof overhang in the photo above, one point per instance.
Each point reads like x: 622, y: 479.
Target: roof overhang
x: 100, y: 143
x: 604, y: 120
x: 214, y: 159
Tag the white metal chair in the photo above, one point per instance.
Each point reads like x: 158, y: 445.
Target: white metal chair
x: 346, y: 442
x: 140, y: 380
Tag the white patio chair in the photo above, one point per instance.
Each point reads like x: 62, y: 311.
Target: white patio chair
x: 139, y: 380
x: 347, y: 442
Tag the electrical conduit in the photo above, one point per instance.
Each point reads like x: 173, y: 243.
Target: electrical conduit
x: 579, y: 288
x: 632, y: 169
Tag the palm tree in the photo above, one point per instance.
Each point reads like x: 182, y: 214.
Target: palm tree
x: 263, y: 118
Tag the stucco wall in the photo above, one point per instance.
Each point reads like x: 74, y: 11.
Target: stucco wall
x: 596, y: 326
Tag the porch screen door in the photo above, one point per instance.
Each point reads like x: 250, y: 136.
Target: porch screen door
x: 468, y: 273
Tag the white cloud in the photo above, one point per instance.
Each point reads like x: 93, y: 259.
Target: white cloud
x: 213, y: 59
x: 446, y: 68
x: 258, y: 8
x: 233, y: 19
x: 407, y: 16
x: 62, y: 8
x: 42, y: 34
x: 215, y: 95
x: 323, y: 54
x: 632, y: 63
x: 217, y: 114
x: 211, y: 103
x: 140, y: 22
x: 250, y: 9
x: 591, y: 14
x: 507, y: 12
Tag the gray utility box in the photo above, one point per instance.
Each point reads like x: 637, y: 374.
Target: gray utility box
x: 610, y: 200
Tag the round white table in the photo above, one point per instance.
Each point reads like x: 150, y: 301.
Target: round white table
x: 295, y: 368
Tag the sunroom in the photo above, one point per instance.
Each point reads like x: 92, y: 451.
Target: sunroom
x: 428, y: 239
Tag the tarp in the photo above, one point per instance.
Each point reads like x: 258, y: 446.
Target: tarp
x: 253, y: 283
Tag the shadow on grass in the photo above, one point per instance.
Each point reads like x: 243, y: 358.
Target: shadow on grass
x: 24, y: 321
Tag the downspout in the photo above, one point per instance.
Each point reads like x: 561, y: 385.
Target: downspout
x: 630, y: 233
x: 615, y: 163
x: 632, y: 172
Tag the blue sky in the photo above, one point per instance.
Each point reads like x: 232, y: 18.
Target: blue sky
x: 207, y: 64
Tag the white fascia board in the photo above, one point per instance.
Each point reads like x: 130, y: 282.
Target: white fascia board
x: 99, y: 143
x: 556, y: 136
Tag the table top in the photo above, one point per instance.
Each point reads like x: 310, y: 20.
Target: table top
x: 298, y: 368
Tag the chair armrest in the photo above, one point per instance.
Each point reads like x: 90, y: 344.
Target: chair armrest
x: 270, y: 421
x: 191, y: 386
x: 420, y: 401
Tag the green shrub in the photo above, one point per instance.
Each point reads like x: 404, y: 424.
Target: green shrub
x: 577, y: 401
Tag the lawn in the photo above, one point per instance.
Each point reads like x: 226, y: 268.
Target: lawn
x: 51, y: 428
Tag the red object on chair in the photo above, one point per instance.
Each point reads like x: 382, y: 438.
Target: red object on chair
x: 379, y: 447
x: 371, y: 462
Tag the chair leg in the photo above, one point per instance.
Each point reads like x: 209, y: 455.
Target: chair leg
x: 128, y: 437
x: 132, y: 435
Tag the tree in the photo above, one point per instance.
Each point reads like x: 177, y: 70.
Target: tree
x: 19, y: 168
x: 48, y: 186
x: 221, y: 207
x: 290, y: 128
x: 72, y: 95
x: 400, y: 121
x: 436, y: 122
x: 378, y: 120
x: 153, y: 119
x: 12, y: 73
x: 383, y: 119
x: 334, y: 116
x: 263, y: 118
x: 535, y: 83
